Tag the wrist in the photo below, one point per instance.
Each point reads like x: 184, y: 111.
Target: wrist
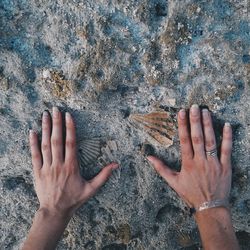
x: 213, y: 213
x: 52, y: 215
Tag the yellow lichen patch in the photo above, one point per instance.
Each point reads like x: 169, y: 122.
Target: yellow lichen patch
x: 202, y: 97
x: 224, y: 93
x: 166, y: 38
x: 192, y: 10
x: 247, y: 66
x: 154, y: 76
x: 124, y: 233
x: 4, y: 84
x: 96, y: 65
x: 58, y: 85
x: 62, y: 88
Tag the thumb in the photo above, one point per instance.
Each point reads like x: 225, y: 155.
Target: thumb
x: 164, y: 171
x: 103, y: 176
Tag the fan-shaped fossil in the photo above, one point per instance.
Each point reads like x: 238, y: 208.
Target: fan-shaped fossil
x: 110, y: 154
x: 89, y: 150
x: 159, y: 125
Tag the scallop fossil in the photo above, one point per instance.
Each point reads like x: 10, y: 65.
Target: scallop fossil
x: 89, y: 150
x: 187, y: 239
x: 110, y: 154
x: 92, y: 150
x: 159, y: 125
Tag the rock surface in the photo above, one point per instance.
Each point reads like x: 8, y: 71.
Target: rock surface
x: 102, y: 61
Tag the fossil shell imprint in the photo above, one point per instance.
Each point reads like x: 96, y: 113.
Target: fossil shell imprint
x: 159, y: 125
x: 110, y: 154
x: 89, y: 150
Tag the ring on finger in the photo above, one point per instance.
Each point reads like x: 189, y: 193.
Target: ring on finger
x: 212, y: 153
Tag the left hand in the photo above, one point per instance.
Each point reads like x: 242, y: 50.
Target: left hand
x: 59, y: 186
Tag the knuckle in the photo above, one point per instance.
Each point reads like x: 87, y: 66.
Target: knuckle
x: 227, y: 136
x: 32, y: 144
x: 45, y: 147
x: 55, y: 142
x: 45, y: 127
x: 210, y: 143
x: 206, y: 123
x: 160, y: 169
x: 182, y: 122
x: 226, y: 151
x: 57, y: 121
x: 197, y: 139
x: 195, y: 119
x: 36, y: 156
x: 70, y: 143
x: 184, y: 139
x: 70, y: 124
x: 56, y: 167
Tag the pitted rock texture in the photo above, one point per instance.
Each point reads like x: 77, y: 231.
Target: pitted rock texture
x: 102, y: 61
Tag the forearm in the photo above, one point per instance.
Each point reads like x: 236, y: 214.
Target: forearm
x: 46, y: 230
x: 216, y: 229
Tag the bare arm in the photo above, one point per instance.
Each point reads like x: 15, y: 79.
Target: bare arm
x: 203, y: 177
x: 59, y: 186
x: 216, y: 229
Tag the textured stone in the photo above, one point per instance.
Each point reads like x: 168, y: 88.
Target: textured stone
x: 102, y: 61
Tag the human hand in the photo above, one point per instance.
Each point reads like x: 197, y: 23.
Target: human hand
x: 202, y: 177
x: 58, y: 183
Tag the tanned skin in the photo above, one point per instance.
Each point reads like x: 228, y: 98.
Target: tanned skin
x: 61, y: 190
x: 202, y: 177
x: 59, y: 186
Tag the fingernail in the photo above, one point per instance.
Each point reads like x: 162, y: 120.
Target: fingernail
x: 115, y: 166
x: 205, y: 113
x: 45, y: 115
x: 149, y: 157
x: 195, y: 109
x: 227, y: 126
x: 31, y: 133
x: 182, y: 113
x: 55, y: 112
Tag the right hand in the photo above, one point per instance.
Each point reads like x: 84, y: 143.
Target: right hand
x: 202, y: 177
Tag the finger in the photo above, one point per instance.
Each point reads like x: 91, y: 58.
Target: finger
x: 196, y: 131
x: 56, y: 138
x: 165, y: 172
x: 209, y: 136
x: 226, y: 147
x: 103, y: 176
x: 46, y: 131
x: 35, y: 152
x: 185, y: 140
x: 70, y: 143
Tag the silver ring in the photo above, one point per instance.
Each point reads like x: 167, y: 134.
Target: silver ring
x: 212, y: 152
